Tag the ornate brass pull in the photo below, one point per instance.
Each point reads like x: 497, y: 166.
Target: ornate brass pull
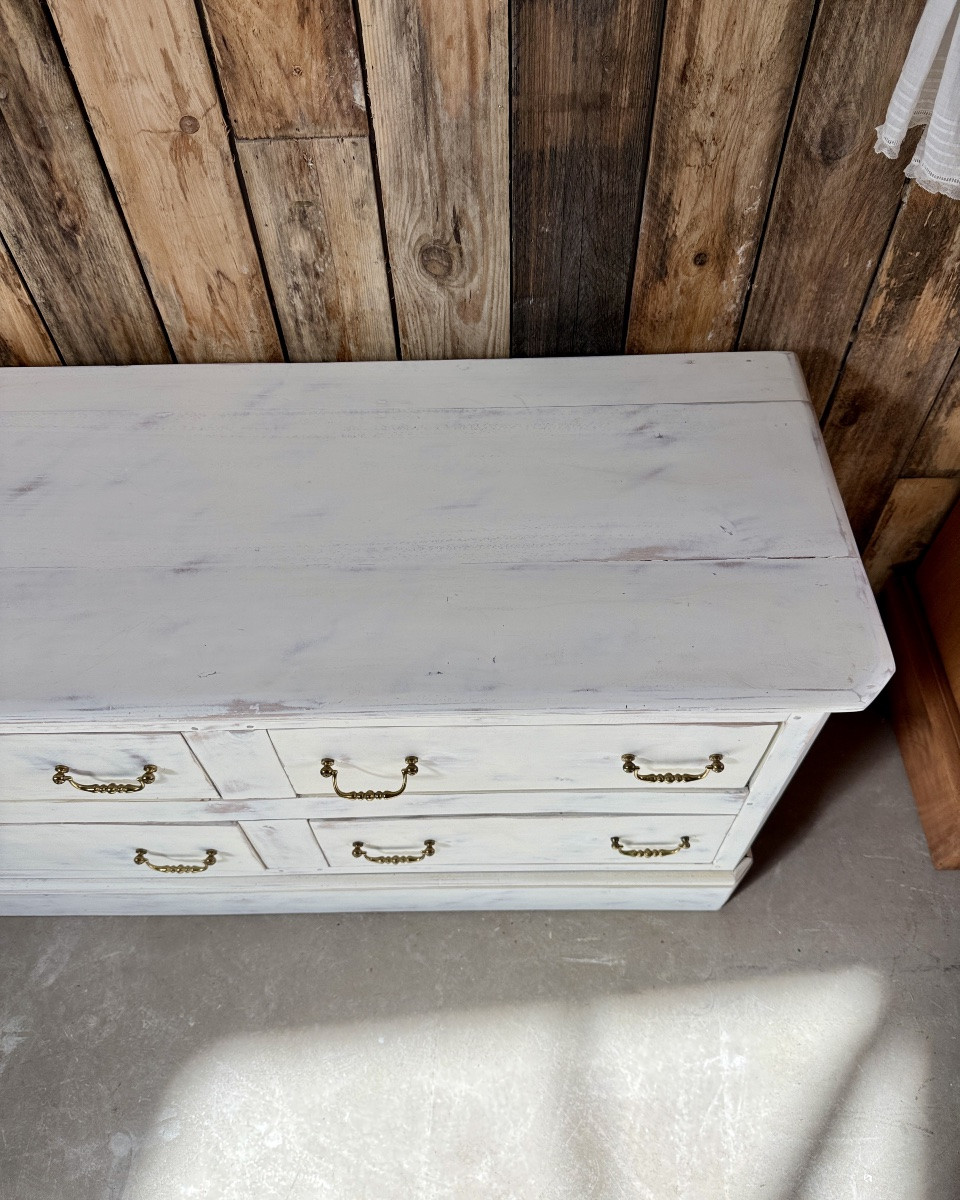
x: 631, y: 768
x: 650, y: 851
x: 60, y: 775
x: 140, y: 858
x: 328, y: 772
x: 393, y: 859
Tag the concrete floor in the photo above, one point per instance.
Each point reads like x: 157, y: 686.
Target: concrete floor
x: 802, y: 1043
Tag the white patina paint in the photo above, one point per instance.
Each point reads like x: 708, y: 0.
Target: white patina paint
x: 516, y: 571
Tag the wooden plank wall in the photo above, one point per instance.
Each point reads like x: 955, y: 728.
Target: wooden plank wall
x: 223, y: 180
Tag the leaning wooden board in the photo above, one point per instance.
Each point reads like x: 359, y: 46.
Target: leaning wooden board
x: 397, y: 625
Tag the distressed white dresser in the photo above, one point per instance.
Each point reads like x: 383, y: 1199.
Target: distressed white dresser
x: 508, y: 634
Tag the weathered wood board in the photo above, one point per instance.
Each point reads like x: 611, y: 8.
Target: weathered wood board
x: 937, y: 448
x: 142, y: 70
x: 913, y: 514
x: 835, y: 198
x: 288, y: 70
x: 938, y: 583
x: 927, y: 723
x: 315, y: 208
x: 57, y: 216
x: 727, y: 76
x: 439, y: 93
x: 24, y: 342
x: 582, y: 92
x: 905, y: 345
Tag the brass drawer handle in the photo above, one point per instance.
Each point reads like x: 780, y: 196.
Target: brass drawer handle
x: 650, y: 851
x: 140, y: 858
x: 631, y: 768
x: 60, y: 775
x: 328, y: 772
x: 393, y: 859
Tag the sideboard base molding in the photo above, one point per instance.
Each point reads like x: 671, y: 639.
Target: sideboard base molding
x: 663, y: 890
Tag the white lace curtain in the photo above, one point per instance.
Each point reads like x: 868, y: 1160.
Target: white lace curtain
x: 928, y: 93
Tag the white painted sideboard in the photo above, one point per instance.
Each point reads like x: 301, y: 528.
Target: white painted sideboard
x: 375, y: 636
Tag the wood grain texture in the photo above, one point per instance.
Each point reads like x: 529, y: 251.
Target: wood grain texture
x: 937, y: 448
x: 926, y: 721
x: 519, y: 555
x: 938, y: 582
x: 56, y: 213
x: 727, y: 77
x: 24, y: 342
x: 28, y: 761
x: 906, y: 342
x: 630, y: 890
x: 582, y: 93
x: 109, y: 850
x: 438, y: 80
x: 835, y: 198
x: 288, y: 70
x: 142, y: 70
x: 315, y: 206
x: 523, y: 842
x: 509, y: 758
x: 910, y: 518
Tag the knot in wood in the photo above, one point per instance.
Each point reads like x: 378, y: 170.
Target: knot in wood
x: 436, y: 260
x: 700, y: 259
x: 189, y: 124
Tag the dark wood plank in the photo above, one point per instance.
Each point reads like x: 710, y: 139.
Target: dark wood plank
x: 727, y: 78
x: 583, y: 78
x: 315, y: 207
x: 142, y: 70
x: 288, y: 70
x: 23, y: 340
x: 926, y: 721
x: 938, y: 582
x: 937, y: 448
x: 56, y: 213
x: 438, y: 75
x: 906, y: 342
x: 913, y: 514
x: 835, y: 198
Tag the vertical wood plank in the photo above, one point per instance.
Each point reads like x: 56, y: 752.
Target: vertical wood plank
x: 315, y: 207
x: 23, y: 340
x: 727, y: 78
x: 582, y: 92
x: 835, y: 198
x: 142, y: 70
x: 56, y: 213
x: 939, y: 586
x: 937, y: 448
x: 437, y: 73
x: 938, y: 583
x: 913, y: 514
x: 927, y: 722
x: 907, y: 340
x: 288, y: 70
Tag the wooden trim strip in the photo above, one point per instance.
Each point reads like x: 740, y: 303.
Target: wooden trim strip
x: 926, y: 721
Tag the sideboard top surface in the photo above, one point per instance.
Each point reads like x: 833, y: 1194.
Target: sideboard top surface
x: 516, y: 536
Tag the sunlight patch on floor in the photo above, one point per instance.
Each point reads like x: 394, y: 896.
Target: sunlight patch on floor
x: 783, y: 1086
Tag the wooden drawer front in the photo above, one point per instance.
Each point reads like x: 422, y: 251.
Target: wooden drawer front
x: 109, y: 850
x: 28, y: 761
x: 511, y: 758
x: 482, y: 843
